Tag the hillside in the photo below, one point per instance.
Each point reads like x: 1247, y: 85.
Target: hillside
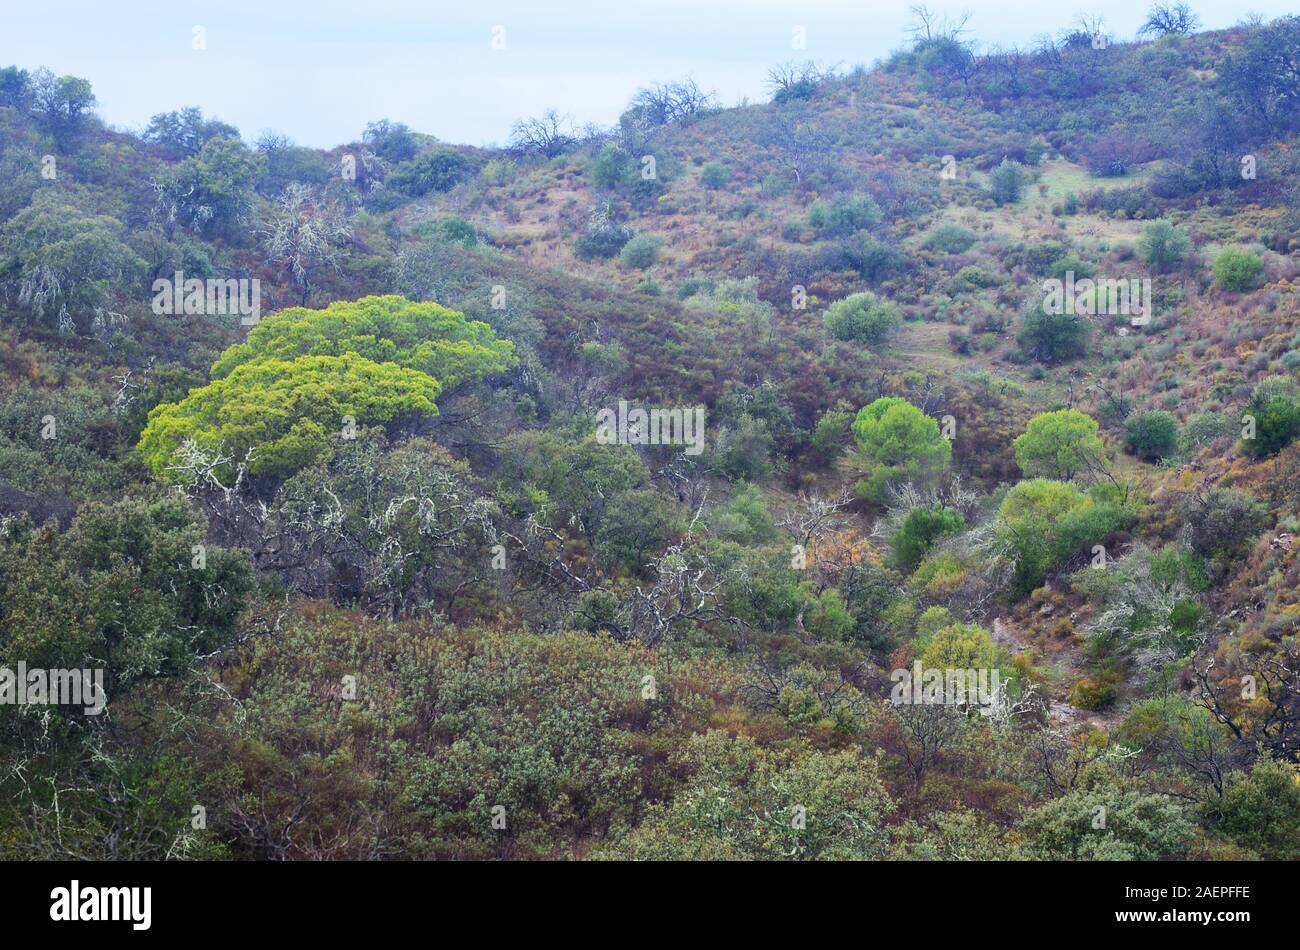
x: 366, y: 573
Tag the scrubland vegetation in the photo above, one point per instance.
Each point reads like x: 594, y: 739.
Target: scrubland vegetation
x: 366, y: 579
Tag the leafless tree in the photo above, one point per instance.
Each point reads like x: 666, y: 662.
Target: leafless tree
x: 925, y: 732
x: 928, y: 25
x: 792, y: 81
x: 303, y: 233
x: 672, y: 102
x: 1273, y: 722
x: 544, y: 135
x: 801, y: 144
x: 1169, y: 19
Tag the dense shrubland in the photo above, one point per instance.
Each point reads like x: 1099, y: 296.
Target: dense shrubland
x: 367, y: 582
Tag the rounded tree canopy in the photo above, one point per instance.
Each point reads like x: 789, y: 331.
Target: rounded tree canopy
x: 389, y: 329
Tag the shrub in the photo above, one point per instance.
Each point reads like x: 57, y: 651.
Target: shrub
x: 641, y: 251
x: 874, y: 259
x: 1042, y: 524
x: 1092, y: 693
x: 1225, y: 521
x: 714, y: 175
x: 844, y: 214
x: 1036, y: 149
x: 1053, y: 337
x: 1162, y: 246
x: 959, y: 646
x: 603, y: 236
x: 1202, y: 428
x: 1236, y: 268
x: 897, y: 442
x: 829, y: 618
x: 921, y: 528
x: 1275, y: 408
x: 932, y: 620
x: 637, y: 525
x: 862, y: 317
x: 435, y: 172
x: 1138, y: 827
x: 831, y: 434
x: 1006, y: 182
x: 1261, y: 810
x: 1059, y: 444
x: 1151, y: 435
x: 949, y: 238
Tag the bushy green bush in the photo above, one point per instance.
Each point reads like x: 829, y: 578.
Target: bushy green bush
x: 897, y: 442
x: 1059, y: 444
x: 920, y: 529
x: 1225, y: 521
x: 1163, y: 246
x: 1151, y: 435
x: 1236, y: 268
x: 949, y: 238
x: 714, y: 175
x: 1042, y: 524
x: 1274, y: 412
x: 641, y: 251
x: 844, y: 214
x: 863, y: 318
x: 1006, y: 182
x: 1052, y: 337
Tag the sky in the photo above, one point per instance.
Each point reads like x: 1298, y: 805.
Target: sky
x: 319, y: 70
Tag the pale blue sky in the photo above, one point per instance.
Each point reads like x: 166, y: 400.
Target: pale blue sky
x: 318, y: 70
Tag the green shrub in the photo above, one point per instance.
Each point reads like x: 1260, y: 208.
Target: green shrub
x: 1162, y: 246
x: 1006, y: 182
x: 714, y: 175
x: 921, y: 528
x: 1261, y: 810
x: 1275, y: 408
x: 1059, y: 444
x: 1053, y: 337
x: 1236, y: 268
x: 641, y: 251
x: 1151, y: 435
x: 844, y: 214
x: 949, y: 238
x: 1225, y: 521
x: 863, y: 318
x: 897, y: 442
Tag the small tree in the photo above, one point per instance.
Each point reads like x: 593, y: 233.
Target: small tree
x: 1169, y: 19
x: 923, y: 526
x: 303, y: 235
x: 641, y: 252
x: 63, y: 104
x: 714, y: 175
x: 1059, y: 444
x: 1151, y: 435
x: 1162, y: 246
x: 862, y: 317
x: 1052, y: 337
x: 544, y: 136
x: 1007, y: 181
x: 1275, y: 408
x: 897, y: 442
x: 1236, y: 268
x: 949, y: 238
